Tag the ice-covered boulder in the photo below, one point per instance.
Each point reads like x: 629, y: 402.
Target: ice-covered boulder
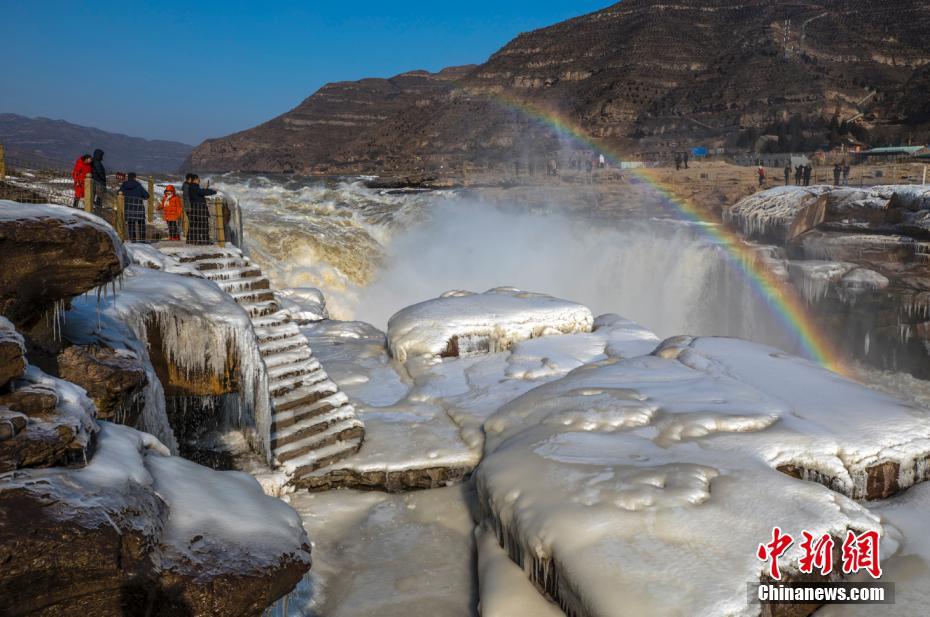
x: 627, y: 474
x: 192, y: 338
x: 137, y: 531
x: 462, y: 323
x: 779, y: 214
x: 304, y: 304
x: 50, y: 254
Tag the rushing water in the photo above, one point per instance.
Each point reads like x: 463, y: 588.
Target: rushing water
x: 375, y: 252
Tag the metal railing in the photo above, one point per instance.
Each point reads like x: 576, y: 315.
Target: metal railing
x: 39, y: 180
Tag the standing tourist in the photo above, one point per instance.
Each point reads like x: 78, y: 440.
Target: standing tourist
x: 82, y: 167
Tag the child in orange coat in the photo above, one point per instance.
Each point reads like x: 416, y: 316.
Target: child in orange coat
x: 172, y: 209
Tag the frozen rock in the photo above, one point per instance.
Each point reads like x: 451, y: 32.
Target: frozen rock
x: 148, y: 256
x: 192, y: 338
x: 304, y: 304
x: 466, y: 324
x: 12, y: 353
x: 137, y: 531
x: 857, y: 441
x: 779, y: 214
x: 52, y: 420
x: 51, y: 254
x: 504, y: 589
x: 667, y: 466
x: 114, y: 379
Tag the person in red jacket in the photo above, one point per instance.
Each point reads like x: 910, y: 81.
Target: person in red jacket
x: 82, y: 167
x: 172, y: 209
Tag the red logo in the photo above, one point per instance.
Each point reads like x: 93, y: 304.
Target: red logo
x: 859, y: 552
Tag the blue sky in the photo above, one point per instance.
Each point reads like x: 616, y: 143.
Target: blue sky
x: 191, y: 70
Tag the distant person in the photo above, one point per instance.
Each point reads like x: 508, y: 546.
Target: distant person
x: 837, y: 170
x: 807, y: 174
x: 552, y: 168
x: 198, y: 230
x: 684, y: 158
x: 601, y: 162
x: 798, y: 175
x: 99, y: 174
x: 677, y: 161
x: 787, y: 172
x: 134, y: 196
x: 845, y: 173
x: 82, y: 167
x: 172, y: 210
x: 761, y: 172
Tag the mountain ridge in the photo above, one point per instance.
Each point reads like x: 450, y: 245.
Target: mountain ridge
x: 62, y: 142
x: 639, y: 77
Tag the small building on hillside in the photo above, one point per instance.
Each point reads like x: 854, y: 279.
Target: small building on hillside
x: 892, y: 153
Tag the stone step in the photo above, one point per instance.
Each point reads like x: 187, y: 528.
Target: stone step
x: 273, y: 333
x: 243, y: 284
x: 223, y: 263
x: 281, y: 387
x: 284, y: 419
x: 323, y: 457
x: 229, y: 274
x: 303, y: 395
x: 275, y: 361
x: 283, y: 344
x: 291, y: 369
x: 189, y: 254
x: 272, y: 321
x: 313, y: 434
x: 261, y: 309
x: 252, y: 296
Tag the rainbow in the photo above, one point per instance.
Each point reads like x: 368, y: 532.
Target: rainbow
x: 781, y: 298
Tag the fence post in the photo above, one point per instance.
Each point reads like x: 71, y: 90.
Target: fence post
x: 121, y: 215
x: 220, y: 230
x: 151, y: 204
x: 89, y: 193
x: 2, y: 163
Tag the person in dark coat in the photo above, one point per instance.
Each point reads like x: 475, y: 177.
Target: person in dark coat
x: 787, y: 173
x: 798, y: 175
x: 807, y: 175
x: 198, y: 231
x: 134, y: 196
x: 837, y: 170
x: 845, y: 173
x: 99, y: 173
x: 684, y: 158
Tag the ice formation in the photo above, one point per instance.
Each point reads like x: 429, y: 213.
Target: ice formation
x: 671, y: 459
x: 200, y: 326
x: 462, y: 323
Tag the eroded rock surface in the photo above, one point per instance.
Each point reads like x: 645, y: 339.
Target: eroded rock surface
x: 68, y: 250
x: 140, y: 532
x: 114, y: 379
x: 12, y: 353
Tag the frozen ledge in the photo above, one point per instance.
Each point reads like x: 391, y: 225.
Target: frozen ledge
x: 462, y: 323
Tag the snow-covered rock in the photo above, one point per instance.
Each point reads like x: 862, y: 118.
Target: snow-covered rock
x: 192, y: 338
x: 304, y: 304
x: 55, y: 253
x: 462, y: 323
x: 780, y: 213
x: 676, y: 465
x: 138, y: 530
x: 52, y: 421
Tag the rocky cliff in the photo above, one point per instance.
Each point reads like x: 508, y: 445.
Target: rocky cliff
x: 639, y: 76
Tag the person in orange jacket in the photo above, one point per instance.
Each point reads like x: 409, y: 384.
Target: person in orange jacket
x: 82, y: 167
x: 172, y: 209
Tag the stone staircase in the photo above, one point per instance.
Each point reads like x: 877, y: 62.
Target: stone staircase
x: 313, y: 423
